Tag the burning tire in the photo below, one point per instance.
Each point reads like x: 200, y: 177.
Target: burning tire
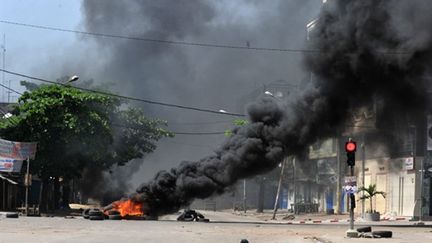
x: 382, y: 234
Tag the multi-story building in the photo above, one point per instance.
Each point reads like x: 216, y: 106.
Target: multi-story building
x: 397, y: 161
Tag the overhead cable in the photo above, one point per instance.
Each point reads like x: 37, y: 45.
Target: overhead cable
x: 126, y: 97
x: 159, y: 41
x: 184, y: 43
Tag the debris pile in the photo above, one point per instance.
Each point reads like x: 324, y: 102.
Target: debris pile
x: 366, y: 232
x: 192, y: 215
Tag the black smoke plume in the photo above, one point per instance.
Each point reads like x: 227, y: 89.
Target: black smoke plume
x: 214, y: 78
x: 366, y: 50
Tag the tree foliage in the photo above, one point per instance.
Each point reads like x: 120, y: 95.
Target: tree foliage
x: 371, y: 192
x: 76, y: 130
x: 237, y: 123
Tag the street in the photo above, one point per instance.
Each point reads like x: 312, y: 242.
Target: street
x: 77, y: 229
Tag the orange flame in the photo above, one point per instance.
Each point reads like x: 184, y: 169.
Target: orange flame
x: 128, y: 208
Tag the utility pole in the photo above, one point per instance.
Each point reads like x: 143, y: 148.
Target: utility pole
x: 295, y: 184
x: 27, y: 185
x: 4, y: 64
x: 363, y: 147
x: 339, y: 178
x: 350, y: 148
x: 244, y: 195
x: 9, y: 92
x: 278, y: 190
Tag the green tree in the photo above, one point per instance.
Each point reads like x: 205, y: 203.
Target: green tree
x: 371, y: 192
x: 77, y: 130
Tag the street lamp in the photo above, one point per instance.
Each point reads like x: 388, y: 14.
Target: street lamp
x: 72, y: 79
x: 268, y: 93
x: 278, y: 95
x: 414, y: 154
x: 244, y: 180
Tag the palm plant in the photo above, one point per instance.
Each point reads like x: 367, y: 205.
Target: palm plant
x: 370, y: 192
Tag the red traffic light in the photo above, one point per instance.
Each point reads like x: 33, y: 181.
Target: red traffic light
x: 350, y: 146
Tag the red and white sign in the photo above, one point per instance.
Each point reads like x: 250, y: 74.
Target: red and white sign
x: 10, y: 165
x: 17, y: 150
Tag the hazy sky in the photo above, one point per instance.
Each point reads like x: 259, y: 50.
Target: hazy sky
x: 26, y: 47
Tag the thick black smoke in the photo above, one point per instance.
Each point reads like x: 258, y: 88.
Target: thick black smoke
x: 367, y: 50
x: 212, y: 78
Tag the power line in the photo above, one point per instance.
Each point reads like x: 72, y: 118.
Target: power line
x: 197, y: 123
x: 125, y: 97
x: 188, y: 144
x: 199, y: 133
x: 184, y: 43
x: 177, y: 133
x: 159, y: 41
x: 4, y: 86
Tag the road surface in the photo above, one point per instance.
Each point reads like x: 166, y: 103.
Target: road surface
x: 58, y: 229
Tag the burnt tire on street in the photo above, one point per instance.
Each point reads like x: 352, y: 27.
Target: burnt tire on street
x: 202, y: 220
x: 12, y: 215
x: 96, y: 217
x: 95, y: 212
x: 85, y: 213
x: 115, y: 217
x: 382, y: 234
x: 364, y: 229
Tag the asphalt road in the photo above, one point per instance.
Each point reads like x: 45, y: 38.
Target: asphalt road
x: 57, y: 229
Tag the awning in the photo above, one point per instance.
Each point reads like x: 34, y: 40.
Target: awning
x: 9, y: 180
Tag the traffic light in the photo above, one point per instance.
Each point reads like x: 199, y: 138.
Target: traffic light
x: 350, y: 148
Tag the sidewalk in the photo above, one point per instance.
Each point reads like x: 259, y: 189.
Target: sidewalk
x: 283, y: 217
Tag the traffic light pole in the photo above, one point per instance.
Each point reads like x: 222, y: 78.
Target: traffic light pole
x: 350, y: 148
x: 352, y: 202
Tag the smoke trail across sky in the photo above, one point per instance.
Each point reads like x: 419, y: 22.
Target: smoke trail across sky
x: 366, y: 54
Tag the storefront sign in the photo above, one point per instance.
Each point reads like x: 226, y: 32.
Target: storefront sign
x: 10, y: 165
x: 409, y: 163
x: 17, y: 150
